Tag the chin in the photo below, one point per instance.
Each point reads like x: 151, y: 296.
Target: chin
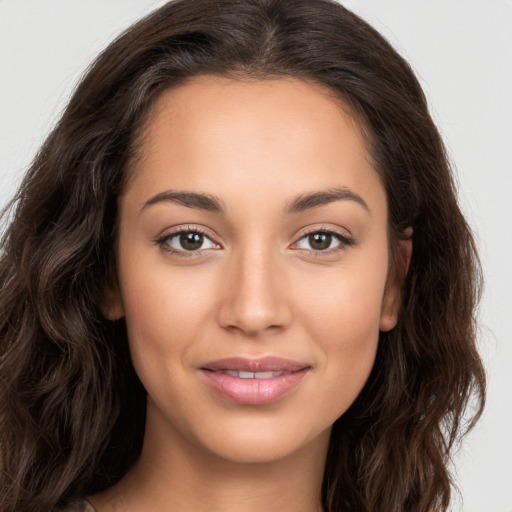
x: 263, y: 442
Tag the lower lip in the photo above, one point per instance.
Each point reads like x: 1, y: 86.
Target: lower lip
x: 253, y: 391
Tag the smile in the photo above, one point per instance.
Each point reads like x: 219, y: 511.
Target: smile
x: 253, y: 382
x: 252, y: 375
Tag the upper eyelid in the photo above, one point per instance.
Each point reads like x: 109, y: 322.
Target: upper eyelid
x: 302, y: 233
x: 184, y: 229
x: 323, y: 229
x: 344, y: 235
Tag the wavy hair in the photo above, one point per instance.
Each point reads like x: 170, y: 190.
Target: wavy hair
x: 72, y: 409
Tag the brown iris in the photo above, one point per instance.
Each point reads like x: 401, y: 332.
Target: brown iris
x: 191, y: 241
x: 320, y: 241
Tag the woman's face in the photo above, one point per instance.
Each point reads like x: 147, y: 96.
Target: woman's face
x: 253, y: 266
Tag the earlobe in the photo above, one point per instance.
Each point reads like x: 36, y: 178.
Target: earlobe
x: 392, y: 299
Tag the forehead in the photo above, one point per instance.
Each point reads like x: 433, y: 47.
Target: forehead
x: 227, y: 135
x: 222, y: 102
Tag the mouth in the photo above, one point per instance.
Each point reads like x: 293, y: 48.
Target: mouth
x: 241, y: 374
x: 254, y: 381
x: 254, y: 366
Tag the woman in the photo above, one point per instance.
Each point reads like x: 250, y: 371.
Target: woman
x: 237, y: 277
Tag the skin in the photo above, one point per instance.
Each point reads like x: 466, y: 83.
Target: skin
x: 256, y: 287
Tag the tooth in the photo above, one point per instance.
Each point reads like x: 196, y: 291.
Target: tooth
x: 253, y: 375
x: 264, y: 375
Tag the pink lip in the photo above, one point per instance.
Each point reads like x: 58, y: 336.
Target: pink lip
x: 264, y: 364
x: 254, y: 391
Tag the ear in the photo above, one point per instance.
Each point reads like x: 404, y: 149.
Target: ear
x: 392, y: 299
x: 112, y: 307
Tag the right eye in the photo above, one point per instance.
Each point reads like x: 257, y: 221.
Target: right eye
x: 186, y: 241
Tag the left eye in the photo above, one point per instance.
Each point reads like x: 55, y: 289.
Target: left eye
x: 188, y: 241
x: 320, y: 241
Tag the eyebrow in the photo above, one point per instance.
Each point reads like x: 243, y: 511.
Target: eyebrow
x: 189, y: 199
x: 299, y: 204
x: 324, y: 197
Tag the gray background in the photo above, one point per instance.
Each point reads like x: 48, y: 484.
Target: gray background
x: 462, y: 52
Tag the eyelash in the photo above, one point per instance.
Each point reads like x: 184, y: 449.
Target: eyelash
x: 344, y: 242
x: 162, y: 242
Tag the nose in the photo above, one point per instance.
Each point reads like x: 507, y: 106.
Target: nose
x: 255, y: 296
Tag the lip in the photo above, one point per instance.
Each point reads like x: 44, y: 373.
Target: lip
x: 253, y: 391
x: 264, y: 364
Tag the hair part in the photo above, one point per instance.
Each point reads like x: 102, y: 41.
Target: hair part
x: 71, y: 406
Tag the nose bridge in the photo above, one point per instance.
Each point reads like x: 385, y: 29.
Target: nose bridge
x: 255, y: 298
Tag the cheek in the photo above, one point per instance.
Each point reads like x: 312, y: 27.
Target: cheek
x: 158, y: 341
x: 348, y: 335
x: 345, y: 305
x: 161, y: 312
x: 345, y: 326
x: 168, y: 311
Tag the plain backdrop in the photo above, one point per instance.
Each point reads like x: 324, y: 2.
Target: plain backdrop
x: 461, y: 51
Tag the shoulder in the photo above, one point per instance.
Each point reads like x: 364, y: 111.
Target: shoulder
x: 79, y: 506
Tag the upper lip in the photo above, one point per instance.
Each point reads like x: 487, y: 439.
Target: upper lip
x: 265, y: 364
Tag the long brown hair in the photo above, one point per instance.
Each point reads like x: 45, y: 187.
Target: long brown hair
x: 71, y: 406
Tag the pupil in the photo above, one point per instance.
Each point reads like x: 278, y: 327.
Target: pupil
x: 320, y: 241
x: 191, y: 241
